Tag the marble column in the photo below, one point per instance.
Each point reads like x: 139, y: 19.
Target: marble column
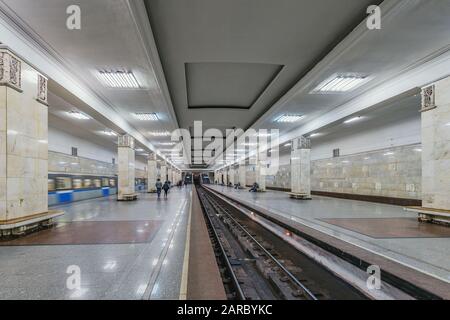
x: 23, y: 142
x: 225, y: 174
x: 260, y: 173
x: 151, y: 174
x: 231, y: 178
x: 436, y: 145
x: 169, y: 174
x: 301, y: 166
x: 242, y: 174
x: 163, y: 173
x: 126, y: 166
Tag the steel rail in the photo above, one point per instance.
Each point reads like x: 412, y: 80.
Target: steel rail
x: 239, y: 291
x: 277, y: 262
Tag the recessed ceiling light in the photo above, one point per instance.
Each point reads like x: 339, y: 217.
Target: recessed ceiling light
x: 146, y: 116
x: 140, y: 150
x: 78, y: 115
x: 352, y: 120
x: 418, y: 149
x: 389, y: 153
x: 119, y: 79
x: 341, y: 83
x: 159, y: 133
x: 109, y: 133
x: 289, y: 118
x: 167, y: 143
x: 312, y: 135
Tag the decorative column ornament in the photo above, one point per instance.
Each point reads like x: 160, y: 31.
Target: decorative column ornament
x: 10, y: 70
x: 126, y: 141
x: 428, y: 98
x: 42, y: 86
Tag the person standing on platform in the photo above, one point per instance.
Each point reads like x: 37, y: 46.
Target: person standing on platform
x: 158, y: 186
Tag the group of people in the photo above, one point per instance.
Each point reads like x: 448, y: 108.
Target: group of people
x: 254, y: 188
x: 160, y: 187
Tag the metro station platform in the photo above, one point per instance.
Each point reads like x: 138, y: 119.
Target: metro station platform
x: 124, y: 250
x: 381, y: 230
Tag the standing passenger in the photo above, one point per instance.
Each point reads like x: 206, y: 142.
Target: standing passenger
x: 166, y: 188
x: 158, y: 186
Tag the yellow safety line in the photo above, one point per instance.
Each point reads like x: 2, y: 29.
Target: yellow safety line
x: 184, y: 275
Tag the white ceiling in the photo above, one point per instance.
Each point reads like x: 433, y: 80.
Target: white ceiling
x: 310, y: 39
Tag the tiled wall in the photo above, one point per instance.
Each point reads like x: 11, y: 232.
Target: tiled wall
x: 392, y: 172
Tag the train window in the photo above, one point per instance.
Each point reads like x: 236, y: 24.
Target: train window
x: 77, y: 183
x: 112, y: 182
x: 51, y: 185
x: 63, y: 183
x: 87, y: 183
x: 97, y: 183
x: 105, y: 182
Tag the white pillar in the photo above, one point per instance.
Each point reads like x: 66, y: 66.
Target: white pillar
x: 260, y: 173
x: 169, y: 174
x: 23, y: 141
x: 436, y: 145
x: 163, y: 173
x: 151, y: 174
x: 242, y: 176
x: 301, y: 166
x: 226, y: 176
x: 126, y: 166
x: 231, y: 179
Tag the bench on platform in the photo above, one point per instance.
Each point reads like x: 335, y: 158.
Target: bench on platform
x: 129, y: 197
x: 21, y: 226
x: 299, y: 196
x: 430, y: 214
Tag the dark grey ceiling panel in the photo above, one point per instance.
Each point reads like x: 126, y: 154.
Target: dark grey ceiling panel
x: 227, y: 84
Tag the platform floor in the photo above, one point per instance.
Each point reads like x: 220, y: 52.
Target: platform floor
x: 384, y: 229
x: 125, y: 250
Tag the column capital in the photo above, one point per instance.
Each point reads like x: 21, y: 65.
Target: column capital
x: 126, y: 141
x: 301, y: 143
x: 428, y: 98
x: 10, y: 70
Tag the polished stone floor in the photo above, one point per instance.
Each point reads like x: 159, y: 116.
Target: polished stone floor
x: 410, y: 243
x: 124, y: 250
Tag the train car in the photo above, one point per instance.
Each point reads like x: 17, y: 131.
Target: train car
x: 66, y: 188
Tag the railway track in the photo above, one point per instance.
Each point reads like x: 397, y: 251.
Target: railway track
x: 258, y: 265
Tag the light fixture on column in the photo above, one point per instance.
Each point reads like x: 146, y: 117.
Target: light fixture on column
x: 143, y: 116
x: 290, y: 118
x: 120, y: 79
x: 78, y: 115
x: 341, y: 83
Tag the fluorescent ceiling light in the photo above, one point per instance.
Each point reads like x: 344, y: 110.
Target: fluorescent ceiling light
x: 288, y: 144
x: 352, y: 120
x: 341, y: 83
x: 78, y: 115
x: 389, y: 153
x: 140, y: 150
x: 418, y: 149
x: 312, y: 135
x: 167, y: 143
x: 159, y: 133
x: 119, y: 79
x: 109, y: 133
x: 146, y: 116
x: 290, y: 118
